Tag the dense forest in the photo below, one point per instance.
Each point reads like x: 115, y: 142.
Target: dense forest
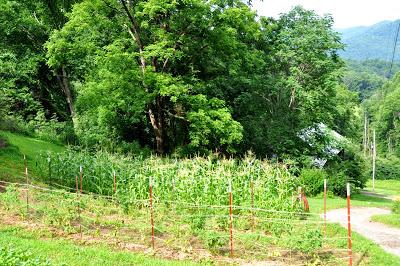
x: 190, y: 77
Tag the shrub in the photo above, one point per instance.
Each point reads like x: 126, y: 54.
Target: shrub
x: 396, y: 206
x: 347, y: 166
x: 337, y: 183
x: 10, y: 198
x: 312, y: 180
x: 387, y: 168
x: 213, y: 240
x: 306, y: 241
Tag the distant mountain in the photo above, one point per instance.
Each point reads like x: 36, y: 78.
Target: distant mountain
x: 370, y: 42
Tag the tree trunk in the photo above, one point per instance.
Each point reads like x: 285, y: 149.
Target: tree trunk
x: 158, y: 126
x: 64, y: 84
x: 156, y: 122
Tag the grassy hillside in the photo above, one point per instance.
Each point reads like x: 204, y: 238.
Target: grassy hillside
x: 13, y: 151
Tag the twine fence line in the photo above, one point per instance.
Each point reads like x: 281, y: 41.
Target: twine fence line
x: 153, y: 200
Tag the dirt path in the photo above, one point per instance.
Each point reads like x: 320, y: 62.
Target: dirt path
x: 387, y: 237
x: 376, y: 195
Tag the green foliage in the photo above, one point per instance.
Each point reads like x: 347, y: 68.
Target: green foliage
x: 194, y: 180
x: 348, y: 166
x: 387, y: 167
x: 10, y: 256
x: 312, y: 181
x: 365, y: 77
x: 337, y: 183
x: 210, y: 77
x: 213, y: 240
x: 306, y: 241
x: 383, y: 109
x: 10, y: 198
x: 28, y: 85
x: 396, y: 206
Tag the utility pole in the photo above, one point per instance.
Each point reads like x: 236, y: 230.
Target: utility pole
x: 365, y: 142
x: 373, y: 162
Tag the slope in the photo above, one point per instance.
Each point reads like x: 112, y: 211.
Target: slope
x: 372, y: 42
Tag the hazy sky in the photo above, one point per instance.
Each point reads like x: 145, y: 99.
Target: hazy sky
x: 347, y: 13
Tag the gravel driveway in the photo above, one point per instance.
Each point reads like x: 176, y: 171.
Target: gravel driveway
x: 387, y: 237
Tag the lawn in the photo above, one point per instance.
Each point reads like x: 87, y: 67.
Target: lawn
x: 385, y: 187
x: 11, y: 157
x: 334, y: 202
x: 389, y: 219
x: 64, y: 252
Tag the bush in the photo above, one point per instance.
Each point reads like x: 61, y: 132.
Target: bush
x: 337, y: 183
x: 312, y: 181
x: 387, y: 168
x: 347, y: 166
x: 49, y: 130
x: 396, y: 206
x: 307, y: 241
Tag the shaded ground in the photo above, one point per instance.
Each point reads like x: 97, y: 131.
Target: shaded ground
x: 387, y: 237
x: 377, y: 195
x: 3, y: 143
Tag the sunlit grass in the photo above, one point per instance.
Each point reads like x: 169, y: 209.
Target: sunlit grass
x: 385, y: 187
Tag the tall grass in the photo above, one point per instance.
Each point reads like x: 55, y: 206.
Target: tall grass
x: 198, y: 180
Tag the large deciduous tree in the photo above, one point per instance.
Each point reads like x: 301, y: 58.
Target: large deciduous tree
x: 143, y: 65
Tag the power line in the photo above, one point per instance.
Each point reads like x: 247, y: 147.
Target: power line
x: 394, y: 50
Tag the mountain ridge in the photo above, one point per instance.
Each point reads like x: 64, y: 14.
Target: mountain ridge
x: 370, y: 42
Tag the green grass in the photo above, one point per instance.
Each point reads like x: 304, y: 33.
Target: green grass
x: 64, y: 252
x: 385, y: 187
x: 11, y: 157
x: 372, y: 253
x: 359, y: 200
x: 389, y: 219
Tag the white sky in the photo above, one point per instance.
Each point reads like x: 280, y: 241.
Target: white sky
x: 347, y: 13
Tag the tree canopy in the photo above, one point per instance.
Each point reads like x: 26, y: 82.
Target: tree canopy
x: 176, y: 76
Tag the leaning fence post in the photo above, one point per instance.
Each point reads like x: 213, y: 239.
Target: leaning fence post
x: 49, y: 162
x: 151, y: 210
x: 252, y: 202
x: 350, y: 252
x: 81, y: 175
x: 115, y: 181
x: 230, y: 219
x: 325, y: 208
x: 27, y: 186
x: 76, y: 185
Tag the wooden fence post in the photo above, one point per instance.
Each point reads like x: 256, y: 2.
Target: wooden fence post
x: 115, y: 182
x: 49, y: 162
x: 27, y: 187
x: 373, y: 161
x: 81, y: 175
x: 350, y: 251
x: 252, y: 203
x: 151, y: 210
x: 325, y: 208
x: 230, y: 219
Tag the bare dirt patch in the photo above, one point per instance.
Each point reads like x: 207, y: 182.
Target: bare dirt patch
x: 3, y: 143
